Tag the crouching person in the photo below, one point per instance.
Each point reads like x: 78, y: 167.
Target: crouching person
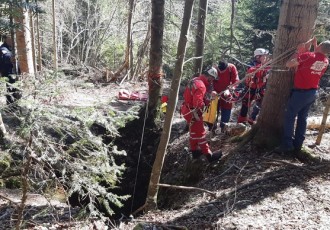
x: 192, y: 111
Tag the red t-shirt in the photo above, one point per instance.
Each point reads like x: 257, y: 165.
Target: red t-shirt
x: 310, y: 70
x: 227, y: 77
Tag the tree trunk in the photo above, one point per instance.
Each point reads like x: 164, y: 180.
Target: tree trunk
x: 200, y: 35
x: 24, y: 44
x: 232, y: 17
x: 54, y: 37
x: 296, y: 24
x: 33, y: 43
x: 151, y: 202
x: 156, y: 59
x: 129, y: 52
x: 39, y: 44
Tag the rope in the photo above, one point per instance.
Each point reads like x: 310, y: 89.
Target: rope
x: 140, y: 150
x: 279, y: 58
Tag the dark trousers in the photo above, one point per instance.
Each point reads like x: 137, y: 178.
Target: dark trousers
x: 13, y: 93
x: 298, y: 107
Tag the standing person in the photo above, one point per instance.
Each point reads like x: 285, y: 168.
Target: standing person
x: 7, y: 70
x: 257, y: 62
x: 255, y: 85
x: 310, y: 67
x: 227, y: 75
x: 192, y: 111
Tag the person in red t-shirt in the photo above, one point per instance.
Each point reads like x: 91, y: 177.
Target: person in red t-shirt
x: 310, y: 67
x: 227, y: 75
x: 192, y: 111
x: 255, y: 85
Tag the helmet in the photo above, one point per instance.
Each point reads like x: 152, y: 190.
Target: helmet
x: 260, y: 51
x: 213, y: 72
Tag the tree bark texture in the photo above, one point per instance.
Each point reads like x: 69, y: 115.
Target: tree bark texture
x: 129, y: 52
x: 151, y: 201
x: 200, y: 35
x: 24, y: 44
x: 156, y: 59
x: 32, y: 24
x: 39, y: 44
x: 296, y: 25
x: 54, y: 37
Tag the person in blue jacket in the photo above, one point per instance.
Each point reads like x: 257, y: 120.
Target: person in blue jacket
x: 7, y: 70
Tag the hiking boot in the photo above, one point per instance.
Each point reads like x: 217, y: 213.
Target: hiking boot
x: 196, y: 154
x: 215, y: 156
x: 304, y: 150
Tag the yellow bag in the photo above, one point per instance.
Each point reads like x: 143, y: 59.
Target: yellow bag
x: 210, y: 115
x: 164, y: 107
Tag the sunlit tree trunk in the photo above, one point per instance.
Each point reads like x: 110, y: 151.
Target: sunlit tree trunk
x: 296, y: 24
x: 200, y: 35
x: 129, y: 53
x: 54, y: 38
x: 156, y: 59
x: 33, y: 43
x: 151, y: 202
x: 24, y: 43
x: 39, y: 44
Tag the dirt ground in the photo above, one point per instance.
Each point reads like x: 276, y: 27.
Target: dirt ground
x: 248, y: 189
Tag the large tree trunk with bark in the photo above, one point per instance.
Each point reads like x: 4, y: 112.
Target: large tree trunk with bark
x: 200, y: 35
x: 24, y: 43
x: 156, y: 59
x: 296, y: 24
x: 151, y: 202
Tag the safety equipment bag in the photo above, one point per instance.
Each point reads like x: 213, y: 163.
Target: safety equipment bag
x: 210, y: 114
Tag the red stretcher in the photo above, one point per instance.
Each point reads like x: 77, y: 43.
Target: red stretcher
x: 124, y: 94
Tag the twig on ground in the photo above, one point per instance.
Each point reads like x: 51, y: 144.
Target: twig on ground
x: 288, y: 163
x: 187, y: 188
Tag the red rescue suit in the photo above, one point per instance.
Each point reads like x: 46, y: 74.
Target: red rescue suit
x: 255, y: 86
x: 225, y: 78
x: 191, y: 110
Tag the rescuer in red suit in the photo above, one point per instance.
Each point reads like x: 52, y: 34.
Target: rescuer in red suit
x: 192, y: 111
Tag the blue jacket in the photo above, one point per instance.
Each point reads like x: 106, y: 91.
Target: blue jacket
x: 6, y: 65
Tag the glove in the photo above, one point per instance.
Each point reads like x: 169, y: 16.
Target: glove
x: 206, y: 103
x: 226, y: 93
x: 214, y: 94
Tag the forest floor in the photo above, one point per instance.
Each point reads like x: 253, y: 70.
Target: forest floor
x: 247, y: 189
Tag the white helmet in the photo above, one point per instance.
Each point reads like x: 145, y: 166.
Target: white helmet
x: 260, y: 51
x: 213, y: 72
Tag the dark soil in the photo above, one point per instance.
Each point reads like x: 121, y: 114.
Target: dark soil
x: 248, y: 188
